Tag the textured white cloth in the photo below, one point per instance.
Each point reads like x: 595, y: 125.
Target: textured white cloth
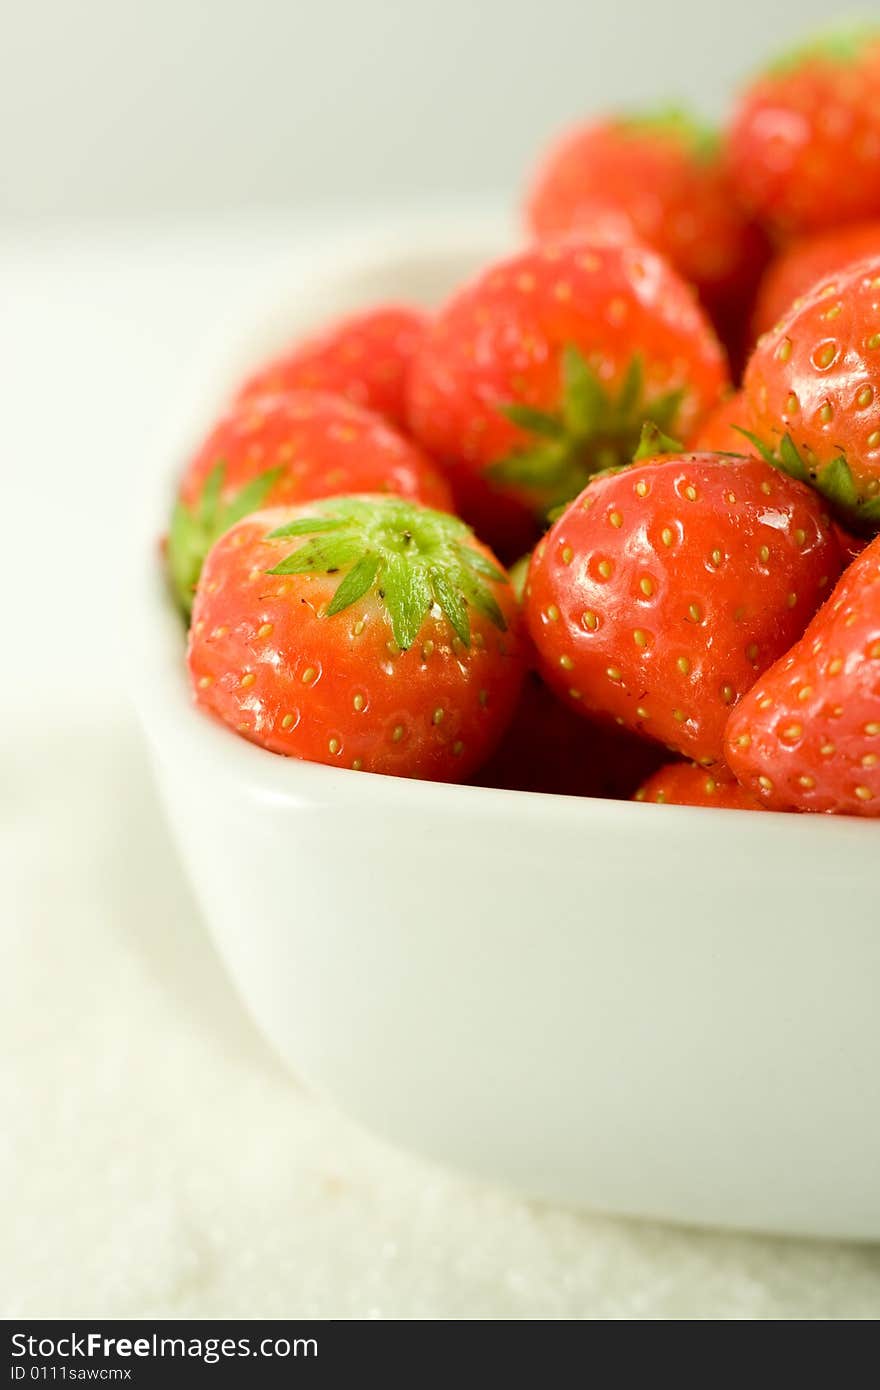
x: 155, y: 1160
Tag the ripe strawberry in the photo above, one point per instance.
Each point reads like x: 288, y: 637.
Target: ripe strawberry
x: 665, y: 589
x: 720, y: 433
x: 364, y: 357
x: 807, y: 736
x: 364, y: 632
x: 549, y: 748
x: 687, y: 784
x: 281, y: 450
x: 805, y: 139
x: 660, y: 179
x: 813, y: 392
x: 800, y: 266
x: 542, y: 371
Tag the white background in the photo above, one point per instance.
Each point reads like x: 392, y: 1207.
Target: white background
x: 160, y: 163
x: 188, y: 106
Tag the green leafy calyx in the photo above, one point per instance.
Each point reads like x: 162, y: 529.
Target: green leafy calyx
x: 194, y: 529
x: 653, y: 442
x: 593, y: 430
x: 834, y: 481
x: 411, y: 558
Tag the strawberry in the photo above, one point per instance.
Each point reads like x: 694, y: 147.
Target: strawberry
x: 281, y: 450
x: 665, y: 589
x: 807, y: 736
x: 805, y: 138
x: 543, y: 369
x: 364, y: 357
x: 365, y: 632
x: 800, y: 266
x: 660, y: 179
x: 687, y: 784
x: 813, y: 392
x: 721, y: 432
x: 549, y: 748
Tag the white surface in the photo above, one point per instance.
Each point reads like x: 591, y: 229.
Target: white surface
x: 153, y: 1158
x: 114, y: 106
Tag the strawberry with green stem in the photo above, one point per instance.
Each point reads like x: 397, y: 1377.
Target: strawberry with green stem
x: 281, y: 450
x: 812, y: 390
x: 591, y: 432
x: 364, y: 632
x: 665, y: 589
x: 659, y: 178
x: 805, y: 139
x: 542, y: 371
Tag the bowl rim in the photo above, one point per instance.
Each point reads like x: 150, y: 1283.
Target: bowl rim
x: 154, y: 645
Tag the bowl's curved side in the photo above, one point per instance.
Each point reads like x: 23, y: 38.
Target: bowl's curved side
x: 628, y: 1008
x: 668, y: 1012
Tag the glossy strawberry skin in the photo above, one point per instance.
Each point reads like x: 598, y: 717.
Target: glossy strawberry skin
x: 686, y: 784
x: 800, y: 266
x: 805, y: 142
x: 320, y: 444
x: 807, y: 736
x: 364, y: 358
x: 663, y: 592
x: 720, y: 434
x: 266, y: 659
x: 502, y: 339
x: 649, y: 182
x: 816, y: 376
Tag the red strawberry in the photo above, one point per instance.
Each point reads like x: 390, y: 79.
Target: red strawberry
x: 543, y: 370
x: 660, y: 179
x: 805, y: 140
x: 720, y: 434
x: 364, y: 632
x: 800, y: 266
x: 365, y: 358
x: 686, y: 784
x: 285, y: 449
x: 664, y: 591
x: 807, y: 736
x: 549, y: 748
x: 813, y: 392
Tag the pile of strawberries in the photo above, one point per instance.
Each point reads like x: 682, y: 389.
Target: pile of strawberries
x: 692, y: 565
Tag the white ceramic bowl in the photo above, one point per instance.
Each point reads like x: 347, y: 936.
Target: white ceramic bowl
x: 657, y: 1011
